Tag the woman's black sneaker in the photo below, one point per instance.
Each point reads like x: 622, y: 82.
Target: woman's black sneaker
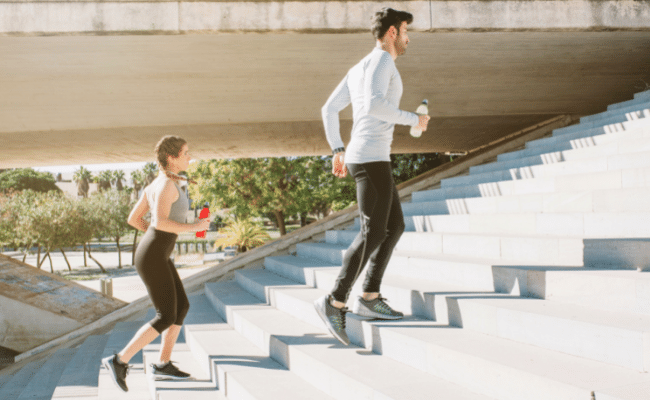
x: 118, y: 371
x: 167, y: 371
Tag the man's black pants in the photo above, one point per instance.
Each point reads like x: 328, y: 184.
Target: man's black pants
x: 382, y: 224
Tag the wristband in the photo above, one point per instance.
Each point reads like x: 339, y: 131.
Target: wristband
x: 338, y: 150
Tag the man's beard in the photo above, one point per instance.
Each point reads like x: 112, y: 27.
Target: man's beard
x: 399, y: 45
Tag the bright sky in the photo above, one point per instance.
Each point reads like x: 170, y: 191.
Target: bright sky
x: 65, y: 169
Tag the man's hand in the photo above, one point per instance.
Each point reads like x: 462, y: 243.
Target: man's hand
x: 338, y: 165
x: 424, y: 122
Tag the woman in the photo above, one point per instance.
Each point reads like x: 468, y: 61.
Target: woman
x: 168, y: 205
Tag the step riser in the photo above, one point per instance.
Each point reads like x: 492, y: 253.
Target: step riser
x: 619, y: 117
x: 314, y: 372
x: 587, y: 166
x: 203, y: 358
x: 621, y: 347
x: 474, y: 373
x: 603, y: 201
x: 639, y: 141
x: 620, y: 294
x: 549, y: 251
x: 640, y: 104
x: 304, y: 276
x: 610, y: 180
x: 13, y: 388
x: 584, y: 135
x: 641, y: 97
x: 613, y: 225
x: 601, y: 292
x: 393, y: 346
x: 424, y: 305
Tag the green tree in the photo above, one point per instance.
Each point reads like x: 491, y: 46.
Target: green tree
x: 118, y: 176
x: 26, y: 178
x: 250, y: 186
x: 150, y: 172
x: 408, y: 166
x: 243, y: 233
x: 82, y: 177
x: 52, y: 218
x: 114, y: 207
x: 20, y: 219
x: 104, y: 180
x: 89, y: 225
x: 326, y: 192
x: 137, y: 177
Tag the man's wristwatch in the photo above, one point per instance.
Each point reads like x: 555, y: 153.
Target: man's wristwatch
x: 338, y: 150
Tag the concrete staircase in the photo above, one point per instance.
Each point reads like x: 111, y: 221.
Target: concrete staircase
x: 519, y: 280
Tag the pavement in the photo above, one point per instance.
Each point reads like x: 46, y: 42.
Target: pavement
x: 127, y: 285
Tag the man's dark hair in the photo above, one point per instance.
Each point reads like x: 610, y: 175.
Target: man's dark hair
x: 387, y: 17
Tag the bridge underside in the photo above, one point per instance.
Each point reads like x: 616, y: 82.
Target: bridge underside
x: 82, y: 99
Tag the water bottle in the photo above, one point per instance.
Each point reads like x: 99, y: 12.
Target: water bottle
x: 205, y: 213
x: 423, y: 109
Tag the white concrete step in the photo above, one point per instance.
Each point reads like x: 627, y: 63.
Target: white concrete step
x: 45, y: 379
x: 243, y: 371
x: 408, y: 341
x: 498, y: 367
x: 561, y: 144
x: 640, y: 97
x: 583, y: 224
x: 583, y: 137
x: 80, y: 376
x: 635, y: 141
x: 530, y: 249
x: 587, y: 225
x: 408, y: 276
x: 311, y: 353
x: 584, y: 201
x: 615, y: 338
x: 613, y: 290
x: 199, y: 382
x: 640, y: 104
x: 620, y: 179
x: 201, y: 314
x: 136, y: 380
x: 601, y: 119
x: 583, y: 166
x: 628, y: 392
x: 14, y: 386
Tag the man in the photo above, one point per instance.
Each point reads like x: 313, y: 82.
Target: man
x: 374, y: 87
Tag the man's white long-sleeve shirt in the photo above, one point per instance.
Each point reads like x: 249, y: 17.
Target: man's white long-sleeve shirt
x: 374, y: 87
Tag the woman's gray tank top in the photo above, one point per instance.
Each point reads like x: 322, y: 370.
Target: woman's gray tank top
x: 178, y: 211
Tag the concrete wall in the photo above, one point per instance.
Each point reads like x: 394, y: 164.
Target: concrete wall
x: 187, y: 16
x: 36, y: 307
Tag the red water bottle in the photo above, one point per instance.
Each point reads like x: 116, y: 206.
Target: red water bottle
x: 205, y: 213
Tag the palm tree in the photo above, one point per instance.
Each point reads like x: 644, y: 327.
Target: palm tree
x: 104, y: 180
x: 243, y: 233
x: 137, y: 177
x: 150, y: 171
x: 118, y: 176
x: 82, y: 177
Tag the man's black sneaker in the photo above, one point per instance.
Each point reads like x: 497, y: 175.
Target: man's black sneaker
x: 117, y: 370
x: 377, y: 309
x: 333, y: 317
x: 167, y: 371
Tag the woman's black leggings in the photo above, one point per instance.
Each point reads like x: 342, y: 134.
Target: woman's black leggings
x: 382, y: 224
x: 161, y: 278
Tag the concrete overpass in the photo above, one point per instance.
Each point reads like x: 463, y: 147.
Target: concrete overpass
x: 94, y: 81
